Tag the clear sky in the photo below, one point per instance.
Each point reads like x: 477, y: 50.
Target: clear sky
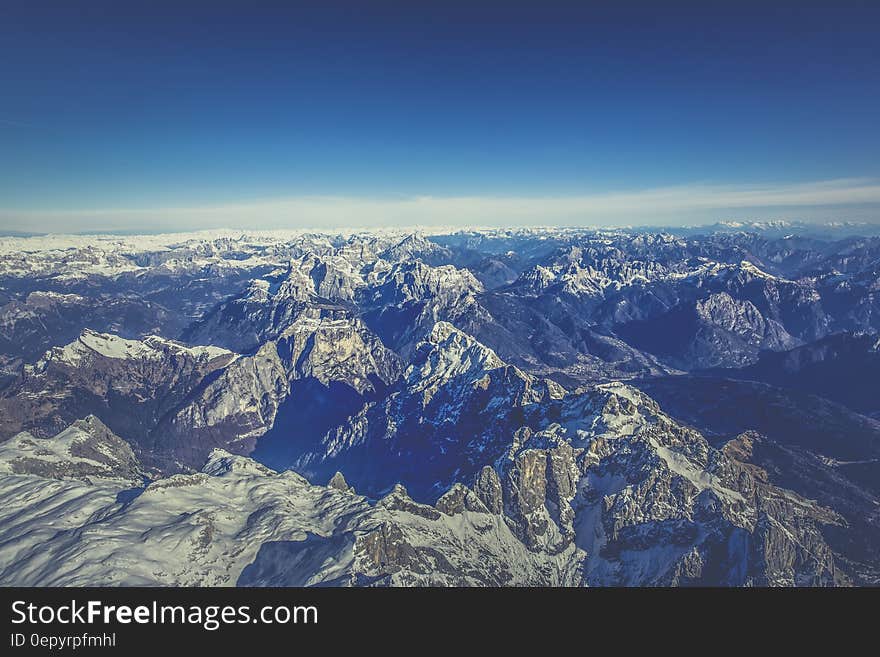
x: 130, y: 115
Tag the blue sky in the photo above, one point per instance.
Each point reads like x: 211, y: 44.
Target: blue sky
x: 115, y: 116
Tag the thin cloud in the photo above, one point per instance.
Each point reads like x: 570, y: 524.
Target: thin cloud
x: 648, y: 206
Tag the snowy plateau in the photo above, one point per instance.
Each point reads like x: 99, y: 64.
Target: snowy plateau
x: 523, y: 407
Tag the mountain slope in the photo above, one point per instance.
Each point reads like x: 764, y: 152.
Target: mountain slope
x: 621, y: 496
x: 129, y: 384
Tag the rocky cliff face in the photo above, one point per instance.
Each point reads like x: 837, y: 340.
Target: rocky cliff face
x: 240, y: 404
x: 409, y: 298
x: 446, y: 418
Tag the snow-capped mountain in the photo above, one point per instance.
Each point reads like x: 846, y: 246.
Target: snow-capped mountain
x: 86, y: 450
x: 465, y: 408
x: 454, y: 410
x: 614, y: 493
x: 240, y: 403
x: 130, y: 384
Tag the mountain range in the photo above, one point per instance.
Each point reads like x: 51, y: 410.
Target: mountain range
x: 560, y: 407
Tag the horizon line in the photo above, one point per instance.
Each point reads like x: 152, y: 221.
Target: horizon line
x: 690, y: 203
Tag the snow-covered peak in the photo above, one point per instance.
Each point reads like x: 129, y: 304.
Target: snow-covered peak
x: 536, y: 280
x: 592, y: 272
x: 86, y: 449
x: 416, y: 247
x: 106, y: 345
x: 221, y: 463
x: 450, y: 353
x: 754, y: 270
x: 91, y: 344
x: 257, y: 290
x: 626, y: 391
x: 199, y: 352
x: 408, y: 281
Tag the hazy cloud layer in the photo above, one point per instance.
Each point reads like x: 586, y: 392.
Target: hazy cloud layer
x: 823, y: 200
